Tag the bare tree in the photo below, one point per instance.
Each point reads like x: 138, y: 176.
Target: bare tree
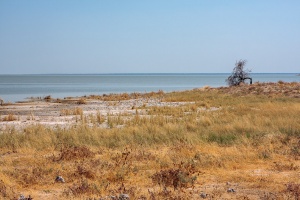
x: 239, y: 75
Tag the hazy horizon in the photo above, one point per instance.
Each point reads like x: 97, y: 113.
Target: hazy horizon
x: 146, y: 73
x: 171, y: 36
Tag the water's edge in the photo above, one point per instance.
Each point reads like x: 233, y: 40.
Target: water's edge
x: 18, y: 87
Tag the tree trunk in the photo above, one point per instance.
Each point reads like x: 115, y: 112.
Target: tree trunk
x: 249, y: 79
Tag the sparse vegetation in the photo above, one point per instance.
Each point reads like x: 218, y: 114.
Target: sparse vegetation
x: 126, y: 96
x: 74, y: 111
x: 208, y: 139
x: 9, y: 117
x: 81, y: 101
x: 48, y: 98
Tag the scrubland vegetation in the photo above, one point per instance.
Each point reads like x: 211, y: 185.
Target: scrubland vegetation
x: 244, y: 138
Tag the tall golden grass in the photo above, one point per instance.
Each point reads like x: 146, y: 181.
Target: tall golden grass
x: 170, y: 152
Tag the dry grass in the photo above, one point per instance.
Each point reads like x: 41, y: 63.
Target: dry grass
x: 74, y: 111
x: 213, y: 142
x: 9, y: 117
x: 126, y: 96
x: 48, y: 98
x: 81, y: 101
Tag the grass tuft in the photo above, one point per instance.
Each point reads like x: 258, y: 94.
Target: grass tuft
x: 9, y: 117
x: 75, y: 153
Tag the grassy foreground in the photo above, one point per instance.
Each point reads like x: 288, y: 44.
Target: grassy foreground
x: 229, y: 143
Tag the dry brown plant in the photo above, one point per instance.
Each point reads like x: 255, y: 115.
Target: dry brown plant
x: 74, y: 153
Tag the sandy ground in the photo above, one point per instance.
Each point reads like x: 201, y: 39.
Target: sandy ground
x: 51, y: 114
x: 39, y: 111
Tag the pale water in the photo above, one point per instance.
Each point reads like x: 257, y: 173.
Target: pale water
x: 19, y: 87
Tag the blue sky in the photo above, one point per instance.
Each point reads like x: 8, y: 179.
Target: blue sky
x: 148, y: 36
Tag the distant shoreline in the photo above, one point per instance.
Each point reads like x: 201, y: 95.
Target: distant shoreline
x: 138, y: 74
x: 19, y: 87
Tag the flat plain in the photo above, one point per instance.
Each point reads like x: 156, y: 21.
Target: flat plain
x: 216, y: 143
